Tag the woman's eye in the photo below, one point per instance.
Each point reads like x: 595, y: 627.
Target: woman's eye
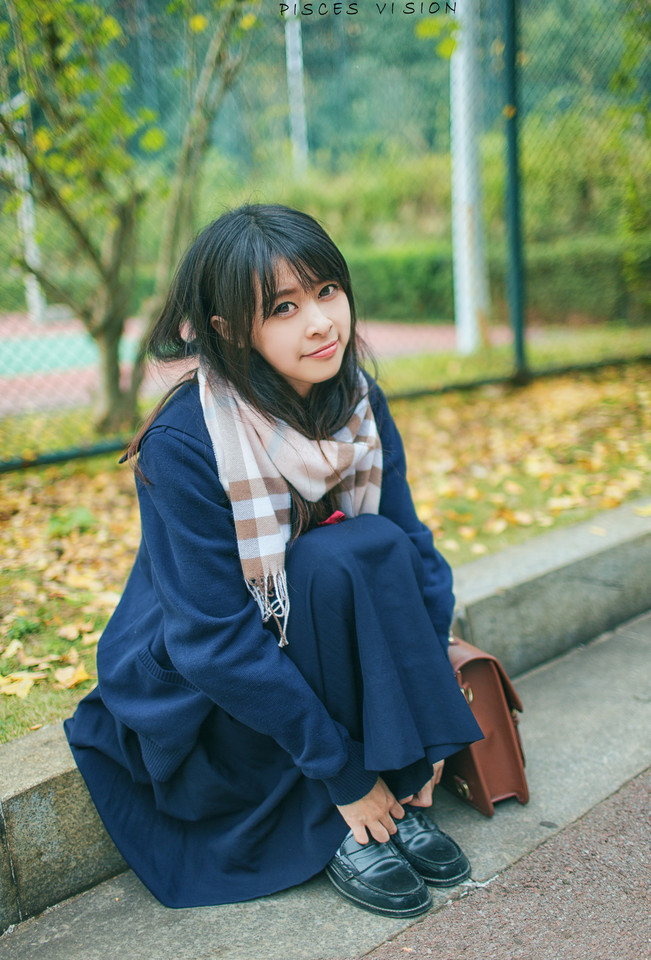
x: 328, y: 290
x: 284, y: 307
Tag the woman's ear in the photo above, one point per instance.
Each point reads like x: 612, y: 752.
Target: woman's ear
x: 219, y: 325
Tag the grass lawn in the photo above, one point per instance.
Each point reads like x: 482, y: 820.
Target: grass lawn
x: 547, y: 347
x: 32, y: 434
x: 487, y: 468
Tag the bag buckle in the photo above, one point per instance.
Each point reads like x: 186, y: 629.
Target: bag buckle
x: 463, y: 788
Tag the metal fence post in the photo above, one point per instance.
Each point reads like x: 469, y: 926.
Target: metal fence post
x: 515, y: 270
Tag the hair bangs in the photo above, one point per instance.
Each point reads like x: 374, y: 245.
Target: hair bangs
x: 306, y: 250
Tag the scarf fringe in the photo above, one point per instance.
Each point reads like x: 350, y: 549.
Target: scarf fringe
x: 272, y: 598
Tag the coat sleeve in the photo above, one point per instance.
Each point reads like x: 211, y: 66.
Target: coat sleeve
x: 396, y: 503
x: 214, y: 635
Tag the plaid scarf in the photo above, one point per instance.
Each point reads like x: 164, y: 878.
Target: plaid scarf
x: 256, y: 458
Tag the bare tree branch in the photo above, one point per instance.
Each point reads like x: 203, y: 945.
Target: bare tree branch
x: 195, y: 134
x: 59, y: 294
x: 10, y: 185
x: 206, y: 102
x: 53, y: 196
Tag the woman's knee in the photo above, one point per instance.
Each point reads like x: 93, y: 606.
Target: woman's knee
x: 333, y: 557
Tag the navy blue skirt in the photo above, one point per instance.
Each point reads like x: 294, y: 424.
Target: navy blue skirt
x: 238, y: 819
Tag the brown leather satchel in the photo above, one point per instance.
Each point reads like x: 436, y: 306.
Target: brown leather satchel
x: 493, y: 768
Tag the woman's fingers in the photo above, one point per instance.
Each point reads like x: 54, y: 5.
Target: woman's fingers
x: 359, y: 832
x: 390, y: 825
x: 380, y: 833
x: 373, y: 814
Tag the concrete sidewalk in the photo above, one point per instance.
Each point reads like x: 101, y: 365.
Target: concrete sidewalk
x: 585, y: 731
x: 583, y: 895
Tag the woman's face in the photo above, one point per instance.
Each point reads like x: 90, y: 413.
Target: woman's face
x: 305, y: 336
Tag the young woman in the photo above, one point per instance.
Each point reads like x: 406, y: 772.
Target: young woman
x: 274, y: 693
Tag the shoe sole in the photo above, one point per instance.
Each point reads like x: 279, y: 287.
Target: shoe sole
x: 381, y: 911
x: 451, y: 882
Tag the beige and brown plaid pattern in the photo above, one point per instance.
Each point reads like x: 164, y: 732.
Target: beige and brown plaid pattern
x: 255, y: 459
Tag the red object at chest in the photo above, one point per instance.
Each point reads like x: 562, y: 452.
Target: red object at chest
x: 335, y: 517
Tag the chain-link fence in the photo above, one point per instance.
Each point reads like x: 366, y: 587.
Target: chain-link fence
x: 381, y: 87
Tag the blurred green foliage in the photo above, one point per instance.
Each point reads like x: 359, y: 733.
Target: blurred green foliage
x: 378, y: 124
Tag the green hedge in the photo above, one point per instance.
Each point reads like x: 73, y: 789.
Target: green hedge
x: 594, y: 278
x: 404, y: 284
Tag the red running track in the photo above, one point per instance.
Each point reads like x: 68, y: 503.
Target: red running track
x: 61, y: 389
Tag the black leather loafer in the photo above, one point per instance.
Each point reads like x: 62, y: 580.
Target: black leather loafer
x: 435, y: 855
x: 376, y: 877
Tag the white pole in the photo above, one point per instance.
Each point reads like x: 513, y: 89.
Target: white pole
x: 469, y: 260
x: 16, y: 165
x: 296, y: 90
x: 27, y: 228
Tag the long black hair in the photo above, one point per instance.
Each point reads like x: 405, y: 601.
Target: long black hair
x: 231, y: 266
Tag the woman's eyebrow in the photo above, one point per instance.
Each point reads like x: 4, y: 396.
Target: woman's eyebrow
x: 287, y: 292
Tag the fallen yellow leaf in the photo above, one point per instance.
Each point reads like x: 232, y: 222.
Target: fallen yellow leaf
x: 12, y: 650
x: 643, y: 511
x: 69, y: 677
x: 26, y: 661
x: 79, y: 675
x: 495, y: 525
x: 610, y: 501
x: 68, y: 632
x: 25, y: 675
x: 467, y: 533
x: 27, y: 587
x: 457, y: 517
x: 513, y: 487
x: 18, y: 688
x: 82, y: 581
x: 450, y: 545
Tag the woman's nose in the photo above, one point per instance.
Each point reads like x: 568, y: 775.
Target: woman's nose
x: 319, y: 322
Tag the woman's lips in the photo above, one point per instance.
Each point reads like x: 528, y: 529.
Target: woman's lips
x: 324, y: 352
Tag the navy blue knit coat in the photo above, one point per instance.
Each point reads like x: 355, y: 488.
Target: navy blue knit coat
x: 216, y: 758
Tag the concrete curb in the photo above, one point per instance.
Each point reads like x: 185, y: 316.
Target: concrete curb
x: 52, y: 841
x: 526, y: 605
x: 532, y: 602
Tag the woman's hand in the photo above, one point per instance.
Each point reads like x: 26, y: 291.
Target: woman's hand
x: 373, y: 813
x: 424, y: 796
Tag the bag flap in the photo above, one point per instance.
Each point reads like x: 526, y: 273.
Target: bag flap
x: 461, y: 653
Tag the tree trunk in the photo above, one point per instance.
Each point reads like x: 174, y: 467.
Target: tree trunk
x: 117, y: 406
x: 114, y: 411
